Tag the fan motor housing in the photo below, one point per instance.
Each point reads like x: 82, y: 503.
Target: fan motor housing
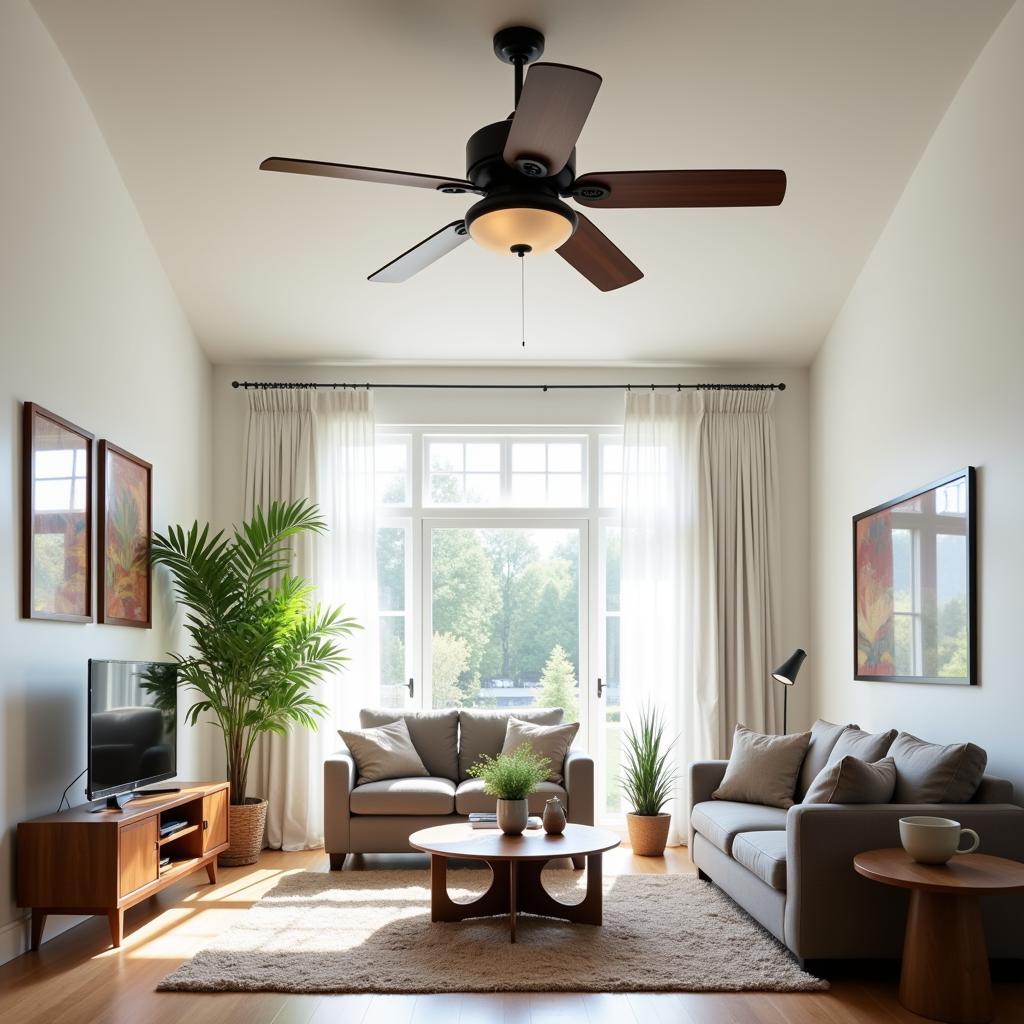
x: 486, y: 167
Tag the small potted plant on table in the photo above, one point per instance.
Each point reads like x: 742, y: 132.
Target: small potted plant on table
x: 647, y: 780
x: 512, y: 778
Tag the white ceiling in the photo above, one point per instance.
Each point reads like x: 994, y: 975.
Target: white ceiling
x: 192, y: 94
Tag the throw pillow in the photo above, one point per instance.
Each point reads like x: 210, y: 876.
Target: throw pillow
x: 853, y: 781
x: 434, y: 734
x: 930, y: 773
x: 867, y: 746
x: 823, y: 739
x: 483, y: 732
x: 383, y: 753
x: 763, y: 768
x: 550, y: 741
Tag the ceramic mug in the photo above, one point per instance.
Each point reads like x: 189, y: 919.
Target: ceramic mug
x: 934, y: 840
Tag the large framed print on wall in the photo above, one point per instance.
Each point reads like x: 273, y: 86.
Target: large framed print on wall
x: 915, y: 599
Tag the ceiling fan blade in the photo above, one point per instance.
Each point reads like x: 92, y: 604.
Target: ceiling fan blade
x: 552, y: 109
x: 597, y: 258
x: 353, y: 172
x: 421, y: 255
x: 639, y: 189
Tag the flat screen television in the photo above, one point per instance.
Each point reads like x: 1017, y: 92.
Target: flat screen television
x: 132, y: 727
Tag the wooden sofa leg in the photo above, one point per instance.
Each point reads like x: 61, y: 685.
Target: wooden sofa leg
x: 579, y: 863
x: 338, y: 861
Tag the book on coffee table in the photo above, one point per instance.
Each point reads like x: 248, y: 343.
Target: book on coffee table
x: 485, y: 819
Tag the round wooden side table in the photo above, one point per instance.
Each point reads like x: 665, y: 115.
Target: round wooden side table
x: 945, y: 974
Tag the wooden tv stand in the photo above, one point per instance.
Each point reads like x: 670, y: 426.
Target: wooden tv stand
x: 83, y: 861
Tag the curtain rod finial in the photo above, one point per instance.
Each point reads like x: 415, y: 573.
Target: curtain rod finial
x: 782, y: 386
x: 234, y: 383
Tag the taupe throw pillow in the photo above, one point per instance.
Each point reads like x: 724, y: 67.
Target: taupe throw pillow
x: 868, y: 746
x: 763, y: 768
x: 823, y: 738
x: 930, y: 773
x: 853, y: 781
x: 550, y: 741
x: 384, y: 753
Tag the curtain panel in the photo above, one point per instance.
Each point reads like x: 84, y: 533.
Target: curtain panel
x: 320, y: 446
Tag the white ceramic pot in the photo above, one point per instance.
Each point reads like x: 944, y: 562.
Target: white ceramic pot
x: 513, y: 816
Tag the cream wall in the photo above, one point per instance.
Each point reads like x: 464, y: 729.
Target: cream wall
x: 920, y: 375
x: 90, y: 328
x: 554, y: 407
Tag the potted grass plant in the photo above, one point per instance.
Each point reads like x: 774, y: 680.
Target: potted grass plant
x: 647, y: 781
x: 259, y: 643
x: 512, y: 778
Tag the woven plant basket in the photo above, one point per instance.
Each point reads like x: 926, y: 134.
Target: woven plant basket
x: 648, y: 833
x: 246, y: 824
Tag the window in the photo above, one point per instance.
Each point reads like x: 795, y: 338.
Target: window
x: 392, y: 464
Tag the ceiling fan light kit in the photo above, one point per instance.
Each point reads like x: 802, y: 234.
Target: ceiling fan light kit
x: 524, y: 167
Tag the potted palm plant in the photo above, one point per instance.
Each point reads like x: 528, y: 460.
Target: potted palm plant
x: 259, y: 644
x: 512, y: 778
x: 647, y: 780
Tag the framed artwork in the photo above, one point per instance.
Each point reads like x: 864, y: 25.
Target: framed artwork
x: 915, y: 604
x: 56, y: 526
x: 124, y: 580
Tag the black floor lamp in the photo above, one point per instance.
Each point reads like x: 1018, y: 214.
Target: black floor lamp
x: 786, y: 674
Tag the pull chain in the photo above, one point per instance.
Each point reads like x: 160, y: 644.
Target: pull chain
x: 521, y: 250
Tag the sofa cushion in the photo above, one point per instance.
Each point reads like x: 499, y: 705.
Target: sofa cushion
x: 483, y: 732
x: 550, y: 742
x: 823, y: 739
x: 386, y: 752
x: 720, y: 821
x: 853, y: 781
x: 930, y: 773
x: 763, y: 768
x: 434, y: 734
x: 763, y: 853
x: 429, y: 795
x: 470, y: 797
x: 868, y: 746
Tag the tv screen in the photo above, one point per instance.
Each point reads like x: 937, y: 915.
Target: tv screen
x: 132, y: 725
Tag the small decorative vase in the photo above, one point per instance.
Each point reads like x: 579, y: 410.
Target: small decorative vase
x: 648, y: 833
x: 554, y: 817
x: 513, y: 816
x: 246, y: 823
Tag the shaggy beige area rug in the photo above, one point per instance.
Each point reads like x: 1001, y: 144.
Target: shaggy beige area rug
x: 370, y: 931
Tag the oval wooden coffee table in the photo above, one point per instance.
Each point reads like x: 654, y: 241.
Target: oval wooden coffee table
x: 945, y: 972
x: 516, y: 862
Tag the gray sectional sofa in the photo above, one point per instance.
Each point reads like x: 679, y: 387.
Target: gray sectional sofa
x: 379, y: 817
x: 792, y: 870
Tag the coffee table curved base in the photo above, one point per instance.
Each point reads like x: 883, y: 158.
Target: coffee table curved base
x: 516, y: 888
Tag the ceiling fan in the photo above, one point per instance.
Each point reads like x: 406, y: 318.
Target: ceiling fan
x: 525, y: 166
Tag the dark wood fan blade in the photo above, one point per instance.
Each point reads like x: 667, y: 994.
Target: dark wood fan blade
x: 597, y: 258
x: 421, y: 255
x: 639, y: 189
x: 353, y: 172
x: 552, y: 109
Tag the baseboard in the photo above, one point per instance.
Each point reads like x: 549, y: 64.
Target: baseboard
x: 15, y: 936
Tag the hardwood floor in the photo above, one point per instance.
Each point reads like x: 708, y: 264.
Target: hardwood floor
x: 78, y: 978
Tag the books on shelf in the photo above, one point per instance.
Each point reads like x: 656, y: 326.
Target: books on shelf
x: 486, y: 819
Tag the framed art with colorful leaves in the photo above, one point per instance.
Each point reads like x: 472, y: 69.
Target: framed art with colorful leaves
x: 56, y: 527
x: 915, y: 600
x: 124, y: 590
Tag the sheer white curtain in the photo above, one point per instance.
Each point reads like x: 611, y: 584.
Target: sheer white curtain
x: 317, y: 445
x: 699, y: 518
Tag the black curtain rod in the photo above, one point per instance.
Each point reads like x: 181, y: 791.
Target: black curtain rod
x: 268, y: 385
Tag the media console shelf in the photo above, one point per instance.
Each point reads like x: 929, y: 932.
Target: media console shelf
x: 84, y: 861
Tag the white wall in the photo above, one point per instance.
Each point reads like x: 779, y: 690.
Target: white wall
x: 555, y: 407
x: 90, y: 328
x: 920, y: 375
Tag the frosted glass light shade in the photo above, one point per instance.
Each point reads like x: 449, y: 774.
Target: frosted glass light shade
x: 541, y: 230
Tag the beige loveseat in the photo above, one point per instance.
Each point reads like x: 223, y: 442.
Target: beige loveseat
x: 379, y: 817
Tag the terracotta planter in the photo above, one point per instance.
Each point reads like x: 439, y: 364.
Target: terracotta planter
x: 648, y: 833
x: 246, y: 823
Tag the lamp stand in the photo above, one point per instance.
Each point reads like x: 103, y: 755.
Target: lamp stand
x: 785, y: 707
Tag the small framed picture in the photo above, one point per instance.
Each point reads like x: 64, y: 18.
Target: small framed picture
x: 124, y: 580
x: 56, y: 527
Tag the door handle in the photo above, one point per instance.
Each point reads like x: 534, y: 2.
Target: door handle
x: 600, y: 687
x: 412, y: 687
x: 206, y: 824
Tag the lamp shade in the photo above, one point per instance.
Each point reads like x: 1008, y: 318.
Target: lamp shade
x: 539, y: 223
x: 786, y: 673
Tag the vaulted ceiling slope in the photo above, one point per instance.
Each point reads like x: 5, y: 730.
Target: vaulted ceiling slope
x: 192, y: 94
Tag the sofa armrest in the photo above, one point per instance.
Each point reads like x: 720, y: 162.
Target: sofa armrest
x: 831, y: 911
x: 705, y: 778
x: 993, y: 790
x: 578, y: 772
x: 339, y: 781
